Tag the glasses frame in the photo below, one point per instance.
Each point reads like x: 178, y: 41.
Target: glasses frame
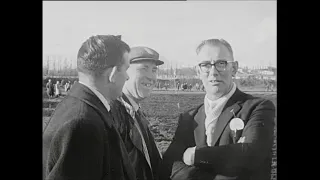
x: 214, y: 64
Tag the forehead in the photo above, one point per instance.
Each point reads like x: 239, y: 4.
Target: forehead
x: 214, y: 52
x: 139, y: 64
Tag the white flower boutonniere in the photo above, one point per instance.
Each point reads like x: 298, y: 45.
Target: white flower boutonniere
x: 236, y: 123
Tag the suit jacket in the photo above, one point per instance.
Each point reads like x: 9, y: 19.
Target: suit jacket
x: 250, y: 160
x: 80, y: 141
x: 133, y: 141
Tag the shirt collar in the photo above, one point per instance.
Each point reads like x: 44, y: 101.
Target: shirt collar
x: 98, y: 94
x: 133, y: 103
x: 223, y: 98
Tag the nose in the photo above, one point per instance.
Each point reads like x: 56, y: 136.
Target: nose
x: 213, y: 71
x: 151, y: 79
x: 127, y: 77
x: 151, y: 76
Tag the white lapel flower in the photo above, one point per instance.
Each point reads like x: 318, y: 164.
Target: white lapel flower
x: 236, y: 124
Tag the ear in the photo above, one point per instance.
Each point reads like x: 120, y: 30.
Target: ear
x: 235, y: 68
x: 197, y: 68
x: 112, y: 76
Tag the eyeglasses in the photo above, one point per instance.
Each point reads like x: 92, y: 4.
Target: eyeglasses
x: 220, y: 66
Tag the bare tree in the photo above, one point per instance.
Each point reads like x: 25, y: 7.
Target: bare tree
x: 48, y: 66
x: 54, y: 65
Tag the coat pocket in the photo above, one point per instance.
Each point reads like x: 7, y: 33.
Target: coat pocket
x: 235, y: 135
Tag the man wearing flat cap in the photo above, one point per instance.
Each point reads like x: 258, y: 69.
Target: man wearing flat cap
x: 132, y: 124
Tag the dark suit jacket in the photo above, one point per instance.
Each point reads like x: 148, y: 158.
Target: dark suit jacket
x: 80, y: 141
x: 250, y: 160
x: 133, y: 141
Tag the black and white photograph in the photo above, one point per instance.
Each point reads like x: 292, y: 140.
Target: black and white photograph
x: 159, y: 90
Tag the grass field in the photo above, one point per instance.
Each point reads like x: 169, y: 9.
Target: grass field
x: 162, y: 111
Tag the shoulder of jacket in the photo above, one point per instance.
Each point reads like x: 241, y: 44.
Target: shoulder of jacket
x: 255, y: 101
x: 192, y: 111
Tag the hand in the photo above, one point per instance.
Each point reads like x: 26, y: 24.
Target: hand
x: 221, y: 177
x: 188, y: 156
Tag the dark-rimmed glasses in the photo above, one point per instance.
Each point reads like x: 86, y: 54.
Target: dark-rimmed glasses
x: 220, y: 65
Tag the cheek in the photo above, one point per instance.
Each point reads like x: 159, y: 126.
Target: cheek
x: 226, y: 76
x: 122, y: 77
x: 138, y: 80
x: 204, y: 78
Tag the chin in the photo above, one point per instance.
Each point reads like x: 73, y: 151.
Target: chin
x: 145, y: 94
x: 214, y: 91
x: 117, y: 95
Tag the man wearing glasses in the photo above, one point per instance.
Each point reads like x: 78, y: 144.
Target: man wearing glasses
x: 230, y: 135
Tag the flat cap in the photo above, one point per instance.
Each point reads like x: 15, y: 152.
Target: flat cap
x: 140, y: 53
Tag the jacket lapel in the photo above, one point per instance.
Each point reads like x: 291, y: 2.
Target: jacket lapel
x: 226, y: 115
x: 135, y: 135
x: 199, y: 131
x: 223, y: 120
x: 83, y: 93
x: 134, y: 132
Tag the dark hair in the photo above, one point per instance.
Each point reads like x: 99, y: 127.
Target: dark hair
x: 99, y: 53
x: 214, y: 42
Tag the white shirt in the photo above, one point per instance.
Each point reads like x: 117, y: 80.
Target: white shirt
x: 213, y: 110
x: 99, y: 95
x: 133, y: 103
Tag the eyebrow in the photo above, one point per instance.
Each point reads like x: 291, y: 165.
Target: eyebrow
x: 147, y: 66
x: 207, y: 61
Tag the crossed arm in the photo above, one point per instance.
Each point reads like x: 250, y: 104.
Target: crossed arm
x: 227, y: 160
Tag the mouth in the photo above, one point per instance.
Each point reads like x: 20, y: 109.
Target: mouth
x: 215, y: 82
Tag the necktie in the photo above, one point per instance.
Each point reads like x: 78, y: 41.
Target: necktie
x: 145, y: 149
x: 145, y: 122
x: 133, y: 115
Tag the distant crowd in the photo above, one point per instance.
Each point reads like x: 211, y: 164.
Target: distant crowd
x: 188, y: 87
x: 54, y: 90
x: 180, y: 87
x: 269, y: 85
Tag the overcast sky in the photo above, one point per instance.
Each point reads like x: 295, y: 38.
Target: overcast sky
x: 174, y: 29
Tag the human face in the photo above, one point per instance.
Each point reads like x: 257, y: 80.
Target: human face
x: 118, y: 77
x: 143, y: 76
x: 218, y: 80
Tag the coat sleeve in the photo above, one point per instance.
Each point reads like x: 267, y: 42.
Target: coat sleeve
x: 172, y: 158
x: 156, y: 156
x: 76, y: 152
x: 232, y: 159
